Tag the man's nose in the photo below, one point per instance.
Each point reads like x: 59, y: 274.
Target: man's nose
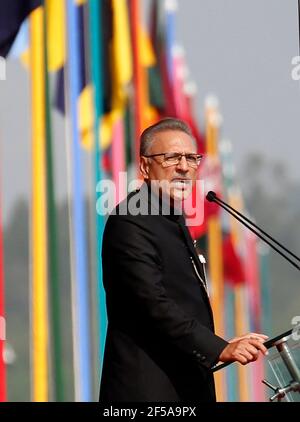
x: 183, y: 165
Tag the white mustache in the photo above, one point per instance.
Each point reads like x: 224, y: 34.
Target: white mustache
x: 180, y: 180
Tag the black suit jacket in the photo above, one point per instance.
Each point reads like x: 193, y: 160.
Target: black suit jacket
x: 160, y: 341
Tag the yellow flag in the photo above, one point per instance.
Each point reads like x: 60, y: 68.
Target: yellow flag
x: 86, y: 116
x: 55, y: 37
x: 55, y: 14
x: 147, y: 52
x: 122, y: 69
x: 121, y: 46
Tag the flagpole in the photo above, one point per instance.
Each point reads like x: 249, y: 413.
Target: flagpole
x: 3, y: 388
x: 80, y: 308
x: 95, y: 13
x: 239, y: 319
x: 39, y: 315
x: 299, y: 24
x: 137, y: 76
x: 53, y: 262
x: 238, y: 387
x: 215, y: 257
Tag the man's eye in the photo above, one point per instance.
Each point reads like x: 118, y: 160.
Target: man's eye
x: 191, y: 158
x: 172, y: 157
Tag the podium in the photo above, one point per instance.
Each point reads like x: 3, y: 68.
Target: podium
x: 284, y: 362
x: 284, y: 359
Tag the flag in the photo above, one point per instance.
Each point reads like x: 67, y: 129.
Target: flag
x: 140, y: 83
x: 214, y: 232
x: 21, y: 42
x: 12, y: 15
x: 98, y: 12
x: 85, y: 97
x: 54, y: 46
x: 233, y: 265
x: 253, y: 280
x: 117, y: 45
x: 55, y: 23
x: 161, y: 40
x: 81, y: 316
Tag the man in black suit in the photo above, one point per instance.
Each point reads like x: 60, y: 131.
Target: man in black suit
x: 160, y: 343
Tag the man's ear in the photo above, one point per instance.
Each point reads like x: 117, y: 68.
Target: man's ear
x: 144, y: 167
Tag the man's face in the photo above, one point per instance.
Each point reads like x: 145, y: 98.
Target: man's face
x: 176, y: 181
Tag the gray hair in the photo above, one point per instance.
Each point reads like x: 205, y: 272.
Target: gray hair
x: 147, y: 137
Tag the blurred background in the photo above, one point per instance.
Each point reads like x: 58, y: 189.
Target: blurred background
x: 82, y: 80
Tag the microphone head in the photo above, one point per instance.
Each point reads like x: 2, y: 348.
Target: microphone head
x: 211, y: 196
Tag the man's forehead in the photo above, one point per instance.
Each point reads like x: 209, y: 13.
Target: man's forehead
x: 173, y: 139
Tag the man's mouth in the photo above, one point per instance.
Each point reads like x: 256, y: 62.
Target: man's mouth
x: 180, y: 183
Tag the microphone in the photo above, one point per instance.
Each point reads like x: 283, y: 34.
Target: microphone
x: 212, y: 197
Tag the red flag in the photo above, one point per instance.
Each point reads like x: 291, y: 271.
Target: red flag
x: 232, y: 263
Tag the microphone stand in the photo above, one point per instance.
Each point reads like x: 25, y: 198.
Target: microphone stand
x: 278, y: 341
x: 285, y: 352
x: 212, y: 197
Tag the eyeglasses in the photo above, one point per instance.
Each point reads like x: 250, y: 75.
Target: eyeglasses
x: 173, y: 158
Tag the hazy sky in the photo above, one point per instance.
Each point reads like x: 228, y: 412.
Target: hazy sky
x: 239, y: 50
